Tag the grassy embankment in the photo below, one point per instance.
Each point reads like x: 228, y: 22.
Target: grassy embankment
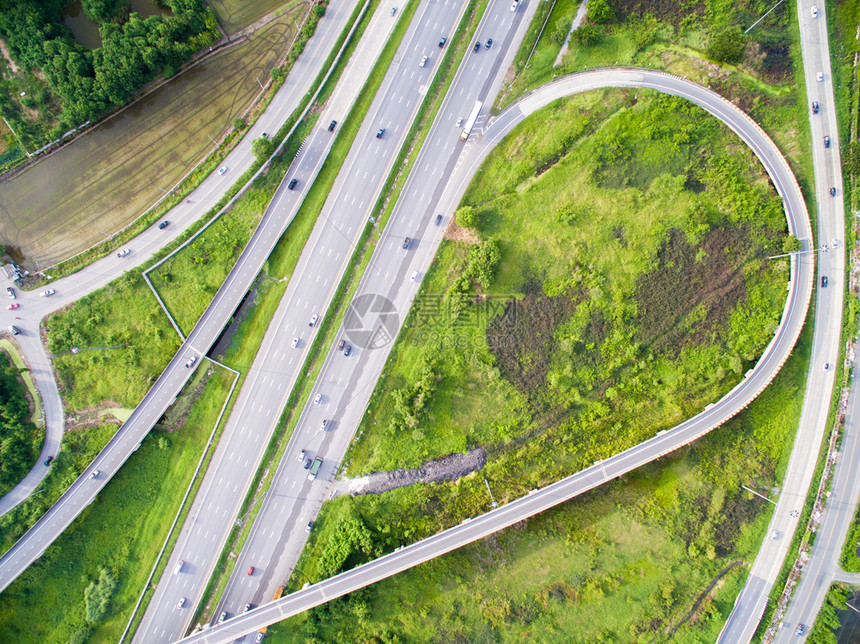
x: 617, y: 332
x: 120, y: 533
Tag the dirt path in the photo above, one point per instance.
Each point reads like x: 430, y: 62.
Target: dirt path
x: 580, y: 16
x: 447, y: 468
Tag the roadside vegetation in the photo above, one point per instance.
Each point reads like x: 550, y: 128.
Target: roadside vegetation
x: 702, y: 41
x: 827, y: 628
x: 20, y: 439
x: 85, y: 585
x: 54, y: 84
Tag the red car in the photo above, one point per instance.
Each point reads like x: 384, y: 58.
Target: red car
x: 13, y: 306
x: 250, y: 571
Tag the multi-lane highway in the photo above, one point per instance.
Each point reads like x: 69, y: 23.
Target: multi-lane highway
x: 397, y: 288
x: 752, y: 600
x: 164, y: 391
x: 345, y: 382
x: 33, y: 309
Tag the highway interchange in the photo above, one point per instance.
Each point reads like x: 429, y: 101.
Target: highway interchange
x: 435, y: 185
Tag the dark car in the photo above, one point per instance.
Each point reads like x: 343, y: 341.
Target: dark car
x: 438, y: 219
x: 292, y: 184
x: 477, y: 46
x: 308, y: 464
x: 815, y: 107
x: 164, y: 224
x: 380, y: 132
x: 49, y: 460
x: 442, y: 41
x: 347, y: 350
x: 800, y: 630
x: 331, y: 126
x: 489, y: 43
x: 406, y: 242
x: 826, y: 141
x: 833, y: 192
x: 824, y: 280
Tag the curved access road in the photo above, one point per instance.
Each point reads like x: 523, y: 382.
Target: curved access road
x: 33, y: 309
x: 800, y: 289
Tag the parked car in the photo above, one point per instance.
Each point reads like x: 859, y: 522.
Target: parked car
x: 438, y: 219
x: 259, y: 637
x: 823, y: 281
x: 222, y: 170
x: 164, y: 224
x: 341, y: 345
x: 309, y: 526
x: 13, y: 329
x: 12, y: 307
x: 10, y: 292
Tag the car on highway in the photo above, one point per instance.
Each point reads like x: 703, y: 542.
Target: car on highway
x: 423, y: 61
x: 414, y: 276
x: 514, y: 5
x: 347, y: 350
x: 13, y: 329
x: 331, y: 126
x: 814, y: 11
x: 181, y: 602
x: 47, y: 293
x: 309, y: 526
x: 94, y: 474
x: 459, y: 121
x: 801, y: 629
x: 324, y: 424
x: 191, y: 362
x: 774, y: 535
x: 308, y: 464
x: 49, y: 460
x: 442, y: 41
x: 222, y: 617
x: 341, y: 345
x: 12, y: 307
x: 247, y: 608
x: 294, y: 343
x: 380, y: 132
x: 823, y: 281
x: 815, y: 107
x: 302, y: 455
x: 489, y: 43
x: 820, y: 76
x: 477, y: 47
x: 178, y: 568
x: 222, y: 170
x: 393, y: 10
x: 406, y: 242
x: 164, y: 224
x: 833, y: 192
x: 834, y: 243
x: 438, y: 219
x: 10, y: 292
x: 123, y: 252
x: 292, y: 184
x: 314, y: 319
x: 250, y: 571
x: 317, y: 399
x: 826, y: 366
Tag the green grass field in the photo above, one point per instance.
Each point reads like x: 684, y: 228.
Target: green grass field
x: 104, y: 180
x: 233, y: 15
x: 121, y: 532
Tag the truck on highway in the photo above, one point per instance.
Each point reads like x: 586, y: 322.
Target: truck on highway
x: 315, y: 468
x: 470, y: 122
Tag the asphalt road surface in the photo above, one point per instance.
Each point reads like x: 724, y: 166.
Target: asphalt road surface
x: 752, y: 600
x: 399, y: 290
x: 280, y: 530
x: 166, y: 388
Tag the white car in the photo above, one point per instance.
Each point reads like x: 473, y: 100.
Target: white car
x: 317, y: 399
x: 94, y: 474
x: 301, y: 458
x: 814, y: 12
x: 181, y: 602
x: 423, y: 61
x: 294, y: 343
x: 459, y: 121
x: 222, y: 170
x: 47, y: 293
x: 178, y: 568
x: 820, y: 76
x: 324, y: 424
x: 414, y: 276
x: 834, y: 243
x: 123, y: 252
x: 314, y: 319
x: 514, y: 5
x: 191, y: 362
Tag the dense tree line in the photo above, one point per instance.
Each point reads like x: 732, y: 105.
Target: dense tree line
x: 86, y: 82
x: 19, y: 438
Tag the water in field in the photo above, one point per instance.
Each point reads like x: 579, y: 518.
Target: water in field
x: 84, y: 30
x: 107, y: 178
